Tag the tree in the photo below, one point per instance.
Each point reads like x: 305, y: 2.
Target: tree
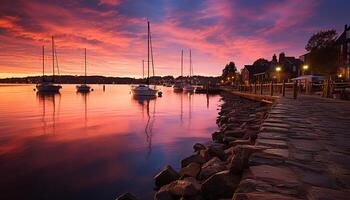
x: 261, y: 62
x: 321, y: 39
x: 323, y: 53
x: 229, y: 72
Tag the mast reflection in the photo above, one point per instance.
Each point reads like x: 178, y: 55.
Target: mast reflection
x: 50, y: 99
x: 144, y: 101
x: 84, y: 96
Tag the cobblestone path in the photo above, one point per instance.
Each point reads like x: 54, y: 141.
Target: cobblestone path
x: 308, y: 154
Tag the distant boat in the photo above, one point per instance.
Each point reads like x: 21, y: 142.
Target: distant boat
x: 189, y: 87
x: 83, y: 87
x: 46, y: 86
x: 178, y: 86
x: 142, y: 89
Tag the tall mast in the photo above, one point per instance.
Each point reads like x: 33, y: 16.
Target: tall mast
x: 85, y: 66
x: 148, y: 43
x: 53, y: 61
x: 190, y: 63
x: 182, y: 62
x: 143, y: 69
x: 43, y: 63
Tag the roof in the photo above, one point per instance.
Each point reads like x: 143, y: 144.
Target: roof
x: 342, y: 38
x: 255, y: 69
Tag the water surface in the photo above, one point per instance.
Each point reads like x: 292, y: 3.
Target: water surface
x: 97, y: 145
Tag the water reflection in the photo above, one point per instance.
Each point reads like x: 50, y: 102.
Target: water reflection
x: 144, y: 101
x: 84, y: 96
x: 47, y: 99
x: 105, y: 143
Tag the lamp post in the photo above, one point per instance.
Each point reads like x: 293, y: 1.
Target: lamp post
x: 278, y: 69
x: 305, y: 67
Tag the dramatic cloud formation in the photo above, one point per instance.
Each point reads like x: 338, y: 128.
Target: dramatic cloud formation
x: 115, y: 33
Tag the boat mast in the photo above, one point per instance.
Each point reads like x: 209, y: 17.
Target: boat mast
x: 182, y: 62
x: 148, y: 43
x: 85, y: 66
x: 53, y: 61
x: 143, y: 69
x: 43, y: 64
x: 190, y: 65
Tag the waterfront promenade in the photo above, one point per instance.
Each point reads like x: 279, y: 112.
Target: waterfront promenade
x: 308, y: 154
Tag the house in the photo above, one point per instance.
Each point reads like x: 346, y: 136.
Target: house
x: 283, y: 69
x: 343, y: 43
x: 254, y: 73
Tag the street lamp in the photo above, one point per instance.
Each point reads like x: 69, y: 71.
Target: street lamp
x: 278, y: 69
x: 305, y: 67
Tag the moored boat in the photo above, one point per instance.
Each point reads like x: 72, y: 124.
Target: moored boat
x: 49, y: 86
x: 142, y: 89
x: 84, y: 87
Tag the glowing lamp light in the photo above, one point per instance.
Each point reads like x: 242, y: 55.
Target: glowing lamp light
x: 305, y: 67
x: 340, y: 75
x: 278, y: 69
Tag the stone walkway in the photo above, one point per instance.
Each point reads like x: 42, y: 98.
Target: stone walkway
x: 307, y: 154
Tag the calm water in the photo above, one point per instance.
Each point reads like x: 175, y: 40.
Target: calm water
x: 95, y: 146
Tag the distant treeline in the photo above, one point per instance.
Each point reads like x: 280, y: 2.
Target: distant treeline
x: 69, y: 79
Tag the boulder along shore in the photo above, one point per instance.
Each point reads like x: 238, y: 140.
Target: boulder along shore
x: 214, y: 170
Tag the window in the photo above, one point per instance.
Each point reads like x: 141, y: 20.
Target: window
x: 341, y: 49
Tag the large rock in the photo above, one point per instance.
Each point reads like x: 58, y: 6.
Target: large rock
x: 211, y: 167
x: 166, y: 176
x: 241, y: 142
x: 237, y: 133
x: 198, y: 146
x: 126, y: 196
x: 217, y: 150
x: 196, y: 158
x: 240, y: 158
x: 187, y: 187
x: 217, y: 136
x: 191, y: 170
x: 220, y: 185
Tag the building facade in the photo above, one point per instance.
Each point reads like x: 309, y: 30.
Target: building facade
x: 343, y: 43
x: 282, y: 69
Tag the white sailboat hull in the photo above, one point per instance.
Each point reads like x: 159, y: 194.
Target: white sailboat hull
x: 143, y: 90
x: 188, y: 88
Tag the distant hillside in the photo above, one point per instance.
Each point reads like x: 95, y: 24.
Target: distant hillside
x: 69, y: 79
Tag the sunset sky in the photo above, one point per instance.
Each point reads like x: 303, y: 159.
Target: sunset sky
x: 115, y: 33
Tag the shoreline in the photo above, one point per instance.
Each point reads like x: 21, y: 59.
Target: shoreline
x: 214, y: 170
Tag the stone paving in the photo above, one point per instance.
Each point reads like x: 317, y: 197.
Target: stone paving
x: 307, y: 153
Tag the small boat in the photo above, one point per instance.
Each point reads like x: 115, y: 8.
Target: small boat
x: 47, y: 86
x: 83, y: 87
x: 178, y: 86
x: 142, y: 89
x: 189, y: 87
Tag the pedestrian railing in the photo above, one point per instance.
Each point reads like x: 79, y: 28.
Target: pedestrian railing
x: 295, y: 88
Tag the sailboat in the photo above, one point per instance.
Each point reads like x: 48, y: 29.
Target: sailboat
x: 83, y: 87
x: 189, y: 87
x: 178, y: 86
x: 46, y: 86
x: 142, y: 89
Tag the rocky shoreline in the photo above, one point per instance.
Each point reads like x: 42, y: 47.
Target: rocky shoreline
x: 214, y: 170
